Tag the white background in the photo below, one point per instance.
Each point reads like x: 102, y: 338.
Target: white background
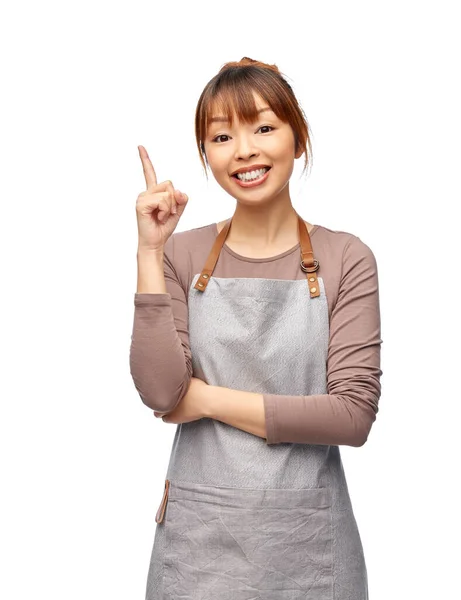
x: 83, y: 460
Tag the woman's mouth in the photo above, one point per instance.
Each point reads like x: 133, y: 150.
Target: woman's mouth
x: 260, y: 178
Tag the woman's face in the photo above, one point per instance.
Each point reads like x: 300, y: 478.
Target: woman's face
x: 268, y: 141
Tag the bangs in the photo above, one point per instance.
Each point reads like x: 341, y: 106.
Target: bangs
x: 239, y: 102
x: 229, y: 104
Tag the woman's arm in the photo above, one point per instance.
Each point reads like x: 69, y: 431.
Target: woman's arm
x: 160, y: 355
x: 244, y: 410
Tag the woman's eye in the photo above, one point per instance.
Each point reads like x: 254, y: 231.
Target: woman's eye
x: 219, y: 136
x: 224, y: 135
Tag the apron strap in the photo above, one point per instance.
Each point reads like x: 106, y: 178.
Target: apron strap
x: 308, y: 263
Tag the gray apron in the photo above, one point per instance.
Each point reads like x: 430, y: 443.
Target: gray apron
x: 241, y: 519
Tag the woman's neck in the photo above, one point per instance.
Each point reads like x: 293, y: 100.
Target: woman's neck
x: 258, y: 237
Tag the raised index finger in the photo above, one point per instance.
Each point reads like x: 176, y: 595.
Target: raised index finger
x: 148, y: 167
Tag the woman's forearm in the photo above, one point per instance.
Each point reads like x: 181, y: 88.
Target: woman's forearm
x: 244, y: 410
x: 151, y: 278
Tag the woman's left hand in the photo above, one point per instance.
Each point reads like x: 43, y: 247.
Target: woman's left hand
x: 192, y: 407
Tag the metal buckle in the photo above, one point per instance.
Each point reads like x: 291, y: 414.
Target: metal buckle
x: 315, y: 267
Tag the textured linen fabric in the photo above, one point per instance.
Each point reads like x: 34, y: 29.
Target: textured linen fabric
x: 258, y: 544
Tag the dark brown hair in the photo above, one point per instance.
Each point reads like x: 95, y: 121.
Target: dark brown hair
x: 232, y: 89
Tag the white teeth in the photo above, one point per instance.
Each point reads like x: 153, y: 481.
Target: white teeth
x: 250, y: 175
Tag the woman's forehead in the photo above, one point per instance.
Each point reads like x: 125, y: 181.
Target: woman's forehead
x: 226, y: 103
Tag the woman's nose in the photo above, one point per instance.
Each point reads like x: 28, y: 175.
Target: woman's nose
x: 245, y: 147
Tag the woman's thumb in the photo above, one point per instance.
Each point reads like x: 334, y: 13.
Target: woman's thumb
x: 181, y: 200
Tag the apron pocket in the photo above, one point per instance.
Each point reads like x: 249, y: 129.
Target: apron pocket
x: 246, y: 543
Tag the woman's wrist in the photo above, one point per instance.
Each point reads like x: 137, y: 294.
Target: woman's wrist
x: 151, y: 278
x: 210, y: 401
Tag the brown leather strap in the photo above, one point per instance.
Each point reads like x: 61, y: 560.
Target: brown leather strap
x: 161, y: 509
x: 212, y: 259
x: 308, y: 263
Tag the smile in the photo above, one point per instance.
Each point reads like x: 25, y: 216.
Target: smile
x: 252, y: 182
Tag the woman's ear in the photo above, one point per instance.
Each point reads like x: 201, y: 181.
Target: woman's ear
x: 299, y: 152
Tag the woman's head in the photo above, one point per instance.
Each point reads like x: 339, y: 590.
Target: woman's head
x: 236, y: 93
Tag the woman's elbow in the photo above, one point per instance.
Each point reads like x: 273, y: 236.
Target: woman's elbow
x: 162, y: 398
x: 159, y: 401
x: 165, y: 401
x: 362, y: 427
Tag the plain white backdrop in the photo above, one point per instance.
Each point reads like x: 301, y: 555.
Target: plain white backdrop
x: 84, y: 83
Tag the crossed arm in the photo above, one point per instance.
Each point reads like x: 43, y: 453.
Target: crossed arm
x: 244, y: 410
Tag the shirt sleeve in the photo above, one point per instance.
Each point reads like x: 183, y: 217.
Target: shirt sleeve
x: 346, y: 413
x: 160, y: 355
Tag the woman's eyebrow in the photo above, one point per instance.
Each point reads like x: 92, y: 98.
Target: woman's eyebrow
x: 224, y: 120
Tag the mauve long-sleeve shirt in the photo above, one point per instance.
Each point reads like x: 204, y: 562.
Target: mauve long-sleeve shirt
x: 160, y: 354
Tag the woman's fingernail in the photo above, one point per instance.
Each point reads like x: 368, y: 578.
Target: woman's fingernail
x: 174, y: 210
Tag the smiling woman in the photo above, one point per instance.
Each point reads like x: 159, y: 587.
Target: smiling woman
x: 263, y: 347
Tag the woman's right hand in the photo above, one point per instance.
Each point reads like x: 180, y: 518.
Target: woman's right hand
x: 155, y: 208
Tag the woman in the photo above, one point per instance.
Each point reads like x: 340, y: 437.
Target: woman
x: 260, y: 338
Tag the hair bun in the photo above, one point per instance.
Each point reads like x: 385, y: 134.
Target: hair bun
x: 245, y: 60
